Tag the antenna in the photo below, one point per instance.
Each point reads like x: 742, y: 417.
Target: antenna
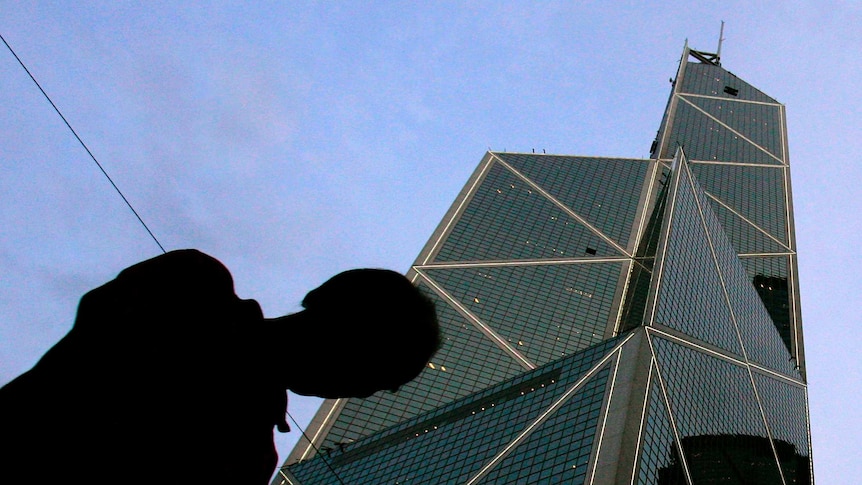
x: 720, y: 39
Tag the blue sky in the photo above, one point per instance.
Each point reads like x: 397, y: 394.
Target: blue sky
x: 293, y: 142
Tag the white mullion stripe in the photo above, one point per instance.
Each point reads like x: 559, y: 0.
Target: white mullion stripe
x: 667, y: 228
x: 607, y: 409
x: 566, y: 209
x: 719, y: 98
x: 647, y: 396
x: 456, y: 216
x: 766, y: 424
x: 544, y: 416
x: 758, y: 255
x: 694, y: 345
x: 771, y: 373
x: 323, y: 425
x: 731, y: 209
x: 644, y: 216
x: 737, y: 164
x: 285, y: 479
x: 522, y: 262
x: 782, y: 129
x: 732, y: 130
x: 479, y: 324
x: 797, y: 325
x: 726, y: 357
x: 670, y: 415
x: 810, y: 444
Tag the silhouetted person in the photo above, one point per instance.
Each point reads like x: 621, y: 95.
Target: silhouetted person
x: 168, y: 377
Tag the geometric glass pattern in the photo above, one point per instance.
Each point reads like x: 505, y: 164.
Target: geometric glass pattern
x: 783, y: 402
x: 466, y: 363
x: 710, y: 80
x: 716, y: 414
x: 506, y: 422
x: 734, y: 186
x: 568, y: 306
x: 752, y: 119
x: 691, y: 298
x: 520, y: 278
x: 659, y: 455
x: 571, y: 429
x: 735, y: 139
x: 604, y: 320
x: 579, y: 182
x: 490, y: 227
x: 706, y: 138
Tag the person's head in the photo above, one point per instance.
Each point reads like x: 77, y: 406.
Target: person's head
x: 362, y: 331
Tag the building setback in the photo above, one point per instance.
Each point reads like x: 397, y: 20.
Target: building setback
x: 606, y: 320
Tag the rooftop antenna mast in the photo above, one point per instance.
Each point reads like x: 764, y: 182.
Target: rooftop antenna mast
x: 720, y: 39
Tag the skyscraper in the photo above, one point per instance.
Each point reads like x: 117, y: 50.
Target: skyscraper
x: 606, y: 320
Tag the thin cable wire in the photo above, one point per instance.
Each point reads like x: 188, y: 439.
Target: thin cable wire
x: 83, y: 144
x: 129, y: 204
x: 315, y: 448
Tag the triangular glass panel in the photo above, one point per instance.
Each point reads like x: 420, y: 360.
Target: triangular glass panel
x: 506, y: 219
x: 461, y: 367
x: 641, y: 273
x: 756, y: 122
x: 710, y: 80
x: 544, y: 311
x: 604, y: 191
x: 761, y: 339
x: 659, y: 457
x: 720, y: 426
x: 739, y: 185
x: 691, y: 298
x: 562, y: 444
x: 704, y: 138
x: 745, y: 238
x: 453, y: 442
x: 786, y: 413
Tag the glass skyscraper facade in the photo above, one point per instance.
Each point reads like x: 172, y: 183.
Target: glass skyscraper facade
x: 605, y: 320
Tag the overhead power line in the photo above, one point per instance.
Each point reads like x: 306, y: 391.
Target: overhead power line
x: 325, y: 461
x: 93, y: 157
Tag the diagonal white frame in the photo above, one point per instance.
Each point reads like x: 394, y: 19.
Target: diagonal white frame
x: 683, y: 165
x: 726, y: 126
x: 495, y: 338
x: 564, y: 207
x: 536, y: 423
